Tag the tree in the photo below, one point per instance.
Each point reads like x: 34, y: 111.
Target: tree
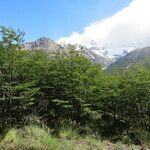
x: 69, y: 86
x: 15, y: 93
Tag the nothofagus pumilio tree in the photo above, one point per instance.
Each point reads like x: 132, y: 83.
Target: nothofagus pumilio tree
x: 70, y: 87
x: 16, y: 93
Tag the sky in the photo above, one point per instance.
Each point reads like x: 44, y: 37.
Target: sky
x: 113, y: 24
x: 127, y: 29
x: 55, y: 18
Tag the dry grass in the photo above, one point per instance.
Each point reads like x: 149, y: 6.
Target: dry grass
x: 35, y: 138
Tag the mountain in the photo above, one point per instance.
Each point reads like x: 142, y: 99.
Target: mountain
x: 96, y: 54
x: 132, y: 59
x: 117, y: 56
x: 44, y: 44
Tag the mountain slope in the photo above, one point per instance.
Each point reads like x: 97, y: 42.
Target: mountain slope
x: 94, y: 53
x: 44, y: 44
x: 132, y: 59
x: 98, y: 56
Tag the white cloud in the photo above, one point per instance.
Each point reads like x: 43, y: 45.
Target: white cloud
x: 129, y: 27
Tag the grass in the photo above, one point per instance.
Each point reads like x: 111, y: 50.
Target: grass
x: 29, y: 138
x: 36, y: 138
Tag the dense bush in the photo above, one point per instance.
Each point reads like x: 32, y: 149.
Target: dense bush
x: 69, y: 87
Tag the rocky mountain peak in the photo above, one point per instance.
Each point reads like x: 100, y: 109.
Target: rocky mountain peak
x: 43, y: 43
x: 44, y: 40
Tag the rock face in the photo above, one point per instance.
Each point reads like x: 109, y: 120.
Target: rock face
x: 98, y: 56
x: 94, y: 53
x: 130, y: 60
x: 42, y: 43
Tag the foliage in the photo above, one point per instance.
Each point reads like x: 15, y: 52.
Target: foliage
x: 68, y: 87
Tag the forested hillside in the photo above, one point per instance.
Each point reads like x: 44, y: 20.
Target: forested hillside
x: 70, y: 90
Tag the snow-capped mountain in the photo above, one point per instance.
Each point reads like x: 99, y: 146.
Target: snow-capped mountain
x: 94, y: 53
x: 98, y: 55
x: 117, y: 56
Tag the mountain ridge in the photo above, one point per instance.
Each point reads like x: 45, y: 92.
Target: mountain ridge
x: 42, y: 43
x: 136, y: 57
x: 93, y: 53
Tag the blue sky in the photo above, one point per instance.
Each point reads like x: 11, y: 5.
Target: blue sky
x: 55, y: 18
